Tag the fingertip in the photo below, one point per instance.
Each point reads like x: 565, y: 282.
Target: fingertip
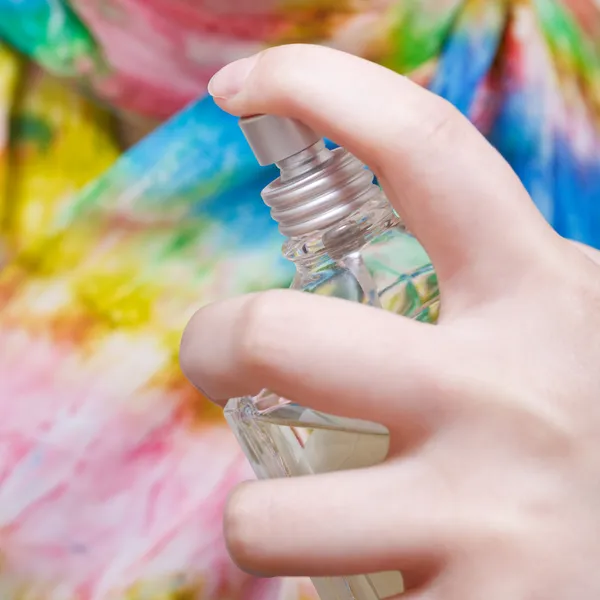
x: 229, y: 81
x: 292, y: 80
x: 190, y: 358
x: 242, y: 540
x: 186, y: 351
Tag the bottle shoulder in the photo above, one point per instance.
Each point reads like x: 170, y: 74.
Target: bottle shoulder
x: 389, y: 270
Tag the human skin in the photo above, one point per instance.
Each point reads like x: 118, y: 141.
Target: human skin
x: 491, y: 487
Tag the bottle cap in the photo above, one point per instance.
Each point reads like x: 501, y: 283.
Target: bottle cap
x: 274, y: 139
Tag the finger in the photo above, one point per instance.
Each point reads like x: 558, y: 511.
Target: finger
x: 327, y: 354
x: 455, y: 192
x: 343, y: 523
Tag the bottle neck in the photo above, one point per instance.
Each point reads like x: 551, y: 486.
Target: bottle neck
x: 304, y: 162
x: 317, y: 189
x: 315, y: 250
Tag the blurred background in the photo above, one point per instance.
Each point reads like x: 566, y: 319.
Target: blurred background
x: 128, y: 200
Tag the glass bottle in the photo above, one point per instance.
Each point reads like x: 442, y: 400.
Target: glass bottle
x: 346, y: 241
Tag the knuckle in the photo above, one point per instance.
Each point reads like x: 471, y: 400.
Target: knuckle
x: 259, y: 333
x: 442, y: 121
x: 432, y: 125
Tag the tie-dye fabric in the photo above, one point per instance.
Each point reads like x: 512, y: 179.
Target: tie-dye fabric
x: 113, y: 470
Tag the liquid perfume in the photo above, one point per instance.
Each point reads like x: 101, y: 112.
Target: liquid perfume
x: 345, y: 241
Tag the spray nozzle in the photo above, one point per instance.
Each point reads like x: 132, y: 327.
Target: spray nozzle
x: 273, y: 139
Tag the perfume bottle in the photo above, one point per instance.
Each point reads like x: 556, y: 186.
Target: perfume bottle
x: 346, y: 241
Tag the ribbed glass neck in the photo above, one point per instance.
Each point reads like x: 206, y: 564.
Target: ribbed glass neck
x: 317, y: 189
x: 317, y: 249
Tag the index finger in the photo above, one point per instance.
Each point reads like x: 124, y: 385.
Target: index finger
x: 453, y: 190
x: 240, y: 346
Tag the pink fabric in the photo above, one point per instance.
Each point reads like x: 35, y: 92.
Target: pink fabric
x: 163, y: 53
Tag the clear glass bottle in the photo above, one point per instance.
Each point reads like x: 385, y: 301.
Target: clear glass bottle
x: 346, y: 241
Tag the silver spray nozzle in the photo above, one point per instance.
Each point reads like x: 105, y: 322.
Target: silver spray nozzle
x: 273, y: 139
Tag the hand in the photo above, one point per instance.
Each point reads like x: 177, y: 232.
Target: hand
x: 492, y: 487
